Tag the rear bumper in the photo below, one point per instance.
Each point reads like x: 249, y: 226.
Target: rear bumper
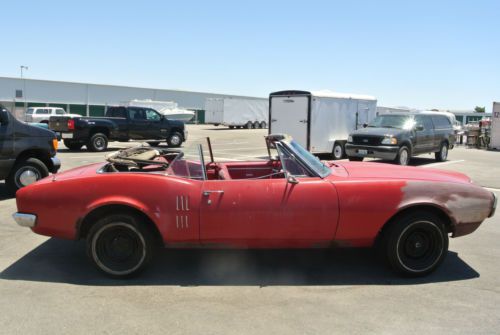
x: 384, y: 152
x: 25, y: 220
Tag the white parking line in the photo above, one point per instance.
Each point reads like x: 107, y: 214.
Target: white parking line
x: 444, y: 163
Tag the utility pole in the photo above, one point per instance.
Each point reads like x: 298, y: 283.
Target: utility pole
x: 23, y: 67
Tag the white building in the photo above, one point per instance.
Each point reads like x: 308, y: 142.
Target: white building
x: 17, y: 94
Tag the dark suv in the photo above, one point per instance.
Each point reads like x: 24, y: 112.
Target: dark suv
x: 27, y: 153
x: 398, y: 137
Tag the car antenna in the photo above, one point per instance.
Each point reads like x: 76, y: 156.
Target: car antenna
x: 210, y: 150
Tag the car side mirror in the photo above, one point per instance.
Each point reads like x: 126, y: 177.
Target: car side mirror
x: 365, y: 125
x: 419, y: 128
x: 292, y: 180
x: 4, y: 116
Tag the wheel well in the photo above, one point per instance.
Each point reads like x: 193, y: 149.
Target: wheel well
x: 103, y: 130
x: 177, y: 130
x: 426, y: 208
x: 83, y: 226
x: 40, y: 154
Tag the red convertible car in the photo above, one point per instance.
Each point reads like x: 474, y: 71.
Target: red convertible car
x: 144, y: 198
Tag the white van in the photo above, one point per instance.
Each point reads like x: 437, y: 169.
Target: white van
x: 42, y: 114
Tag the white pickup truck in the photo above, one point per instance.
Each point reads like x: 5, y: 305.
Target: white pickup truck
x: 42, y: 114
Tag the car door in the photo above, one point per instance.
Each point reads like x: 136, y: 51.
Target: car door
x: 154, y: 127
x: 424, y: 134
x: 7, y: 138
x: 289, y: 115
x: 138, y: 124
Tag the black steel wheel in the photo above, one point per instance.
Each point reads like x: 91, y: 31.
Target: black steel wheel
x: 175, y: 139
x: 404, y: 156
x: 24, y: 173
x: 98, y: 142
x: 442, y: 154
x: 416, y: 244
x: 121, y: 246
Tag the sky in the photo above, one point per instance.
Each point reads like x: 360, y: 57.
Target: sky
x: 421, y: 54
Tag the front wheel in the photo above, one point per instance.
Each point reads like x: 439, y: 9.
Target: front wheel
x: 403, y: 157
x: 442, y: 154
x: 121, y: 246
x: 417, y: 244
x: 26, y: 172
x: 174, y: 140
x: 98, y: 142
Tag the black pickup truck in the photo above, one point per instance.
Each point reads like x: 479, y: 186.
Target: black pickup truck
x: 119, y: 124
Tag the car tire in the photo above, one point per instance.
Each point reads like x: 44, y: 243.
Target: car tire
x: 442, y: 154
x: 263, y: 125
x: 24, y: 173
x: 338, y: 151
x: 355, y: 159
x: 98, y: 142
x: 231, y: 127
x: 249, y: 125
x: 175, y: 139
x: 416, y: 244
x: 256, y: 125
x: 404, y: 156
x: 73, y: 146
x: 121, y: 246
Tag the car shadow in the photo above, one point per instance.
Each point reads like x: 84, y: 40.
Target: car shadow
x: 4, y: 194
x: 65, y: 262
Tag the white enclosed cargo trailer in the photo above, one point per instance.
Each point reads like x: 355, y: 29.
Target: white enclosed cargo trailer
x: 495, y: 126
x: 320, y: 121
x: 248, y: 113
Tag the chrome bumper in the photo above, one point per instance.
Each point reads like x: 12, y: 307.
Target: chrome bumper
x: 495, y: 202
x: 25, y: 220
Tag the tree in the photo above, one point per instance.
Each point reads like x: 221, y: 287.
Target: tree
x: 480, y: 109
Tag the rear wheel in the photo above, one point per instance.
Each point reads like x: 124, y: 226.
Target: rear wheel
x: 442, y: 154
x: 249, y: 125
x: 121, y: 246
x: 263, y: 124
x: 26, y: 172
x: 417, y: 244
x: 355, y: 159
x: 72, y: 145
x: 175, y: 139
x: 231, y: 127
x: 98, y: 142
x: 338, y: 151
x: 255, y: 125
x: 403, y: 157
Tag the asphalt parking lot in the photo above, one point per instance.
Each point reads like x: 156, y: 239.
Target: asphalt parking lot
x: 48, y: 286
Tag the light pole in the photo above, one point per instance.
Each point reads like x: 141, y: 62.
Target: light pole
x: 23, y: 67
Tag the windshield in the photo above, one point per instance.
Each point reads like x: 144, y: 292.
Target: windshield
x: 393, y: 121
x: 312, y: 161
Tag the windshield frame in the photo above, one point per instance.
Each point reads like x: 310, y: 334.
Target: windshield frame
x: 408, y: 119
x: 306, y: 159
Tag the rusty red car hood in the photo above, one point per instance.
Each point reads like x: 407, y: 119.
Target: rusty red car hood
x: 390, y: 171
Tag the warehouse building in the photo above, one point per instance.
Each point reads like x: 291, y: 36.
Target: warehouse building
x: 17, y: 94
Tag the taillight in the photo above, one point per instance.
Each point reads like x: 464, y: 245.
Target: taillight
x: 71, y: 124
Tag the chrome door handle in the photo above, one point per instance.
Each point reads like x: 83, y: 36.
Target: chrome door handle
x: 303, y: 121
x: 207, y: 193
x: 273, y: 120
